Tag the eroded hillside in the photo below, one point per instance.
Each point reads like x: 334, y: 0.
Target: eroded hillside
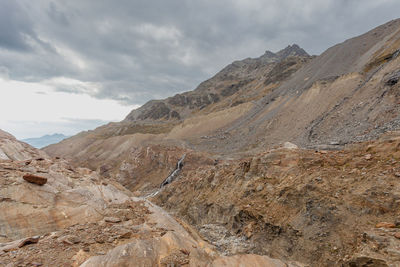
x: 318, y: 207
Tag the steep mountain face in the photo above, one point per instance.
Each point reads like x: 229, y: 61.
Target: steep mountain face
x: 347, y: 94
x: 45, y: 140
x: 238, y: 78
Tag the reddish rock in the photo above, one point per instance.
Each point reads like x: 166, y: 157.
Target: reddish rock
x: 14, y: 245
x: 27, y: 241
x: 112, y: 219
x: 385, y: 225
x: 35, y: 179
x: 397, y: 235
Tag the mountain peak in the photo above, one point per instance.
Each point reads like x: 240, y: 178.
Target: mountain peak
x: 289, y: 51
x: 269, y: 54
x: 292, y: 50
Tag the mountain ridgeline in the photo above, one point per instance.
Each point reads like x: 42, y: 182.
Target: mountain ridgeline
x: 45, y: 140
x: 235, y: 79
x: 346, y: 94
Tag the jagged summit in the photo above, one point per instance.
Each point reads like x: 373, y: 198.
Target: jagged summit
x: 292, y: 50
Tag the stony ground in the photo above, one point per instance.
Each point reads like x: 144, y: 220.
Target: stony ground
x: 75, y: 244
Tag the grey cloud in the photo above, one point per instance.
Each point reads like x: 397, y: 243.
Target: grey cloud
x: 56, y: 15
x: 138, y: 50
x: 14, y: 27
x: 76, y: 123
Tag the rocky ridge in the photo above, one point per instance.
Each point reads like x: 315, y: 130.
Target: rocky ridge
x: 233, y: 79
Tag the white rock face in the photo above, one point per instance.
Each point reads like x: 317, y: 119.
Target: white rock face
x: 12, y: 149
x: 289, y: 145
x: 3, y: 155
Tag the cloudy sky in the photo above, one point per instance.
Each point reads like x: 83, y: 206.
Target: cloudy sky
x: 67, y: 66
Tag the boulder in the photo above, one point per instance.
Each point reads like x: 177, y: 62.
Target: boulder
x: 35, y: 179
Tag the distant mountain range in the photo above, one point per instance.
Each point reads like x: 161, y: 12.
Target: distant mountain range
x: 40, y: 142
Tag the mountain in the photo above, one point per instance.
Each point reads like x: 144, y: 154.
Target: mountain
x: 287, y: 155
x: 347, y: 94
x: 230, y: 93
x: 227, y: 87
x: 45, y: 140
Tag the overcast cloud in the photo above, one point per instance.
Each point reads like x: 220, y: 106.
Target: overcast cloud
x: 132, y: 51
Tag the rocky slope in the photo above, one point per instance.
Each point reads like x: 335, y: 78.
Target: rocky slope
x: 349, y: 93
x: 221, y: 91
x: 223, y: 98
x: 52, y: 214
x: 324, y: 208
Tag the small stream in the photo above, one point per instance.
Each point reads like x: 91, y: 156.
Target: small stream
x: 174, y: 174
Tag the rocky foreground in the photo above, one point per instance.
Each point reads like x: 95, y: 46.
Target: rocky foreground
x: 278, y: 208
x: 52, y: 214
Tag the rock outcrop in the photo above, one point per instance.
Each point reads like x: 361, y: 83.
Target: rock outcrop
x: 12, y: 149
